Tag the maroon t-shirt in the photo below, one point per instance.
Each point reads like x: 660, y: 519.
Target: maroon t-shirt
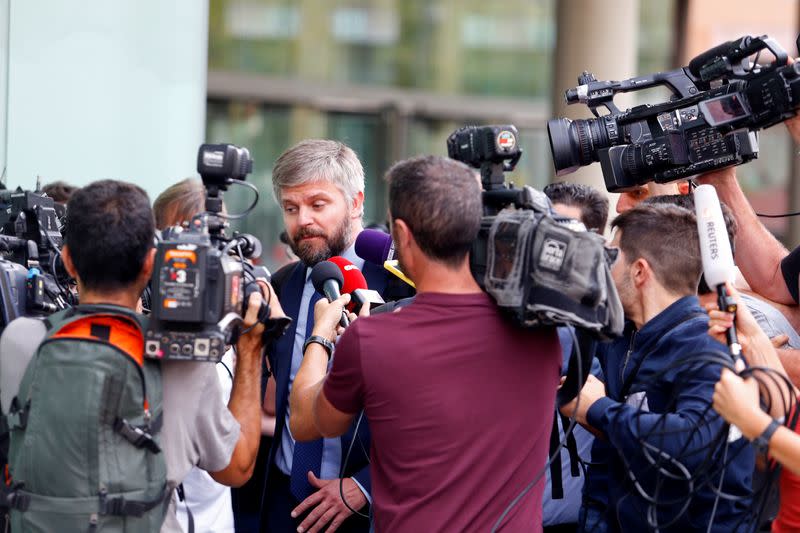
x: 460, y: 407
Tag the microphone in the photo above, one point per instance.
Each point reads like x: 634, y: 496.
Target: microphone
x: 718, y: 266
x: 715, y: 250
x: 328, y: 280
x: 377, y: 248
x: 352, y: 276
x: 355, y: 284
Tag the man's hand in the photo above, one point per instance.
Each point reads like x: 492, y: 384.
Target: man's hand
x: 750, y: 335
x: 326, y: 504
x: 250, y: 341
x: 793, y: 124
x: 780, y: 340
x: 327, y: 315
x: 736, y: 400
x: 592, y: 390
x: 275, y: 309
x: 722, y: 176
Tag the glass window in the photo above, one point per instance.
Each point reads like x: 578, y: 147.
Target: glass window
x: 468, y: 47
x: 264, y: 131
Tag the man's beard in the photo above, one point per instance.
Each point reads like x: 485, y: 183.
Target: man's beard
x: 312, y: 252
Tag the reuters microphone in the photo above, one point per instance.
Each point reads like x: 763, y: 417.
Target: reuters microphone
x: 718, y: 266
x: 355, y: 284
x: 715, y: 250
x: 328, y: 280
x: 377, y: 248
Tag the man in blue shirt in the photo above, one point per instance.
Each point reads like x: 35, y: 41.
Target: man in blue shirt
x: 661, y: 449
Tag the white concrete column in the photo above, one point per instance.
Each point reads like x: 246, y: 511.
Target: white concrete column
x: 600, y: 37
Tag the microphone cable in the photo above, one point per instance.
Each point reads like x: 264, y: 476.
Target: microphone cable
x: 344, y: 466
x: 703, y: 474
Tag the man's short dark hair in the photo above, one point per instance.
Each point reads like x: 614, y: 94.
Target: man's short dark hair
x: 686, y: 201
x: 592, y: 203
x: 440, y: 201
x: 666, y: 236
x: 109, y: 232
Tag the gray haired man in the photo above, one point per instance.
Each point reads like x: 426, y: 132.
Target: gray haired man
x: 319, y: 185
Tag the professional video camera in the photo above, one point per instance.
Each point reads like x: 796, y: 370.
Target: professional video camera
x: 199, y: 287
x: 32, y: 279
x: 541, y: 268
x: 719, y: 101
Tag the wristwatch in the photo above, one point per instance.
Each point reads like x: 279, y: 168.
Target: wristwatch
x: 322, y: 341
x: 761, y: 443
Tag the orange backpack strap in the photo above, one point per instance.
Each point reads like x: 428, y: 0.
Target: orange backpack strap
x: 119, y: 331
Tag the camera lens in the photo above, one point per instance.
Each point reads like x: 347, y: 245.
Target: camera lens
x: 575, y: 143
x: 660, y: 154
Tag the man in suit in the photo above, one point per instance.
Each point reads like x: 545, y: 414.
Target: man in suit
x: 319, y: 185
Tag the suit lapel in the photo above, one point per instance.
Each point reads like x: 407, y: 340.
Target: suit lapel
x: 291, y: 293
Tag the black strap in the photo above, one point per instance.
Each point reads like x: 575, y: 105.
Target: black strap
x: 572, y: 447
x: 119, y: 506
x: 157, y: 423
x: 583, y: 349
x: 5, y: 434
x: 139, y: 436
x: 182, y: 497
x: 17, y: 416
x: 12, y: 499
x: 556, y: 483
x: 628, y: 383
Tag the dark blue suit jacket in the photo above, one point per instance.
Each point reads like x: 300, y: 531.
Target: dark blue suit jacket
x: 280, y: 357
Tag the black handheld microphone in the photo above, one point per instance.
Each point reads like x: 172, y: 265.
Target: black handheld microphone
x: 328, y: 280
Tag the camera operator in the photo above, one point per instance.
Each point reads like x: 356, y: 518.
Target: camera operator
x: 647, y: 395
x: 459, y: 400
x: 581, y: 202
x: 109, y: 250
x: 560, y: 515
x: 209, y: 502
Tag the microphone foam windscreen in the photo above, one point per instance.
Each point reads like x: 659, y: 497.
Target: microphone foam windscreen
x: 353, y: 278
x: 374, y: 246
x: 324, y: 271
x: 715, y: 248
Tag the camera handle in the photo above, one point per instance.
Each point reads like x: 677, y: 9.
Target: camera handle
x: 732, y: 58
x: 600, y: 94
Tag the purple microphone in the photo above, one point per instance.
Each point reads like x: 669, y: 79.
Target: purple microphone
x: 374, y: 246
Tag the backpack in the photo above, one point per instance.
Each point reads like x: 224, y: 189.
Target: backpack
x: 84, y: 452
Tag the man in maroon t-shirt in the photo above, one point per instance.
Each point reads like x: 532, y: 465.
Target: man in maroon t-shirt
x: 459, y: 401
